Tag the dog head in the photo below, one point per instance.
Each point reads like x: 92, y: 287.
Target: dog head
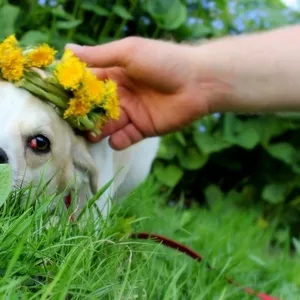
x: 39, y: 145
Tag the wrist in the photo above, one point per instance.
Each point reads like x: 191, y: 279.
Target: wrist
x: 212, y: 77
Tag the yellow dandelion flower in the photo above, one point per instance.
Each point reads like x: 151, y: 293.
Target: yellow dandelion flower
x: 69, y: 72
x: 41, y: 56
x: 7, y: 45
x: 93, y: 87
x: 12, y: 64
x: 10, y: 41
x: 68, y: 53
x: 11, y: 59
x: 111, y: 104
x: 79, y: 106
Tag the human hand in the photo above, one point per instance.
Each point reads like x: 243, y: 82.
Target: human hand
x: 159, y: 86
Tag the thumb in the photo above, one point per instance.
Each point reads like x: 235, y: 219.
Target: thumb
x: 112, y: 54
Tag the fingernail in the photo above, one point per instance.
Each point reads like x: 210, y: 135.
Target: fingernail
x: 93, y: 71
x: 93, y: 134
x: 74, y: 47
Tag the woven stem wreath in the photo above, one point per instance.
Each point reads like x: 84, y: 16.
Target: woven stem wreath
x: 79, y: 97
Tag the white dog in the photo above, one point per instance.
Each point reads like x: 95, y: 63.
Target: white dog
x: 37, y: 143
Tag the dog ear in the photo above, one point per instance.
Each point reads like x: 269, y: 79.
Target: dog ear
x: 83, y: 161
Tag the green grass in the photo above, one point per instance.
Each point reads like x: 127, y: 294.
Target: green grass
x: 68, y: 261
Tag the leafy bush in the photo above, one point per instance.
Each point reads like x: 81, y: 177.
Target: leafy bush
x: 250, y: 160
x: 219, y: 157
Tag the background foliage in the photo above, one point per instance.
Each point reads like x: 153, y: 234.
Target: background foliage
x: 246, y: 159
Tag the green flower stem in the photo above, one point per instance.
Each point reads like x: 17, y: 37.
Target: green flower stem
x: 42, y: 94
x: 83, y: 123
x: 36, y: 79
x: 87, y: 123
x: 47, y: 91
x: 73, y: 123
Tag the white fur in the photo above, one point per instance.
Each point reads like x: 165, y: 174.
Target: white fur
x: 73, y: 163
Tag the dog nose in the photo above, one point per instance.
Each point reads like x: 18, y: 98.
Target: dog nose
x: 3, y: 157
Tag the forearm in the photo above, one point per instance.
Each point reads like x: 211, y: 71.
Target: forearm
x: 256, y: 72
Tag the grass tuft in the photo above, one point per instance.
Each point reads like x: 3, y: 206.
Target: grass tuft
x: 45, y: 256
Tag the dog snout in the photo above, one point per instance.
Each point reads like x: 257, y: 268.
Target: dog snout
x: 3, y: 157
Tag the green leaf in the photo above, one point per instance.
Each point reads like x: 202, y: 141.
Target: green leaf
x: 61, y: 13
x: 240, y: 133
x: 68, y: 24
x: 164, y: 153
x: 168, y: 148
x: 122, y: 228
x: 33, y: 37
x: 169, y: 14
x: 158, y: 8
x: 191, y: 159
x: 269, y: 127
x: 213, y: 194
x: 275, y: 192
x: 180, y: 138
x: 187, y: 217
x: 284, y: 152
x: 200, y: 30
x: 98, y: 10
x: 5, y: 182
x: 275, y: 17
x: 208, y: 144
x: 296, y: 243
x: 247, y: 138
x: 231, y: 124
x: 8, y: 17
x: 169, y: 175
x: 295, y: 202
x: 122, y: 12
x: 84, y: 39
x: 233, y: 196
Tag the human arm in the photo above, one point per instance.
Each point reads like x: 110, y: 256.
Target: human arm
x: 164, y: 86
x: 262, y: 71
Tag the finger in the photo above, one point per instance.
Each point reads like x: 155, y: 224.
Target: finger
x: 108, y: 55
x: 109, y: 128
x: 105, y: 73
x: 125, y: 137
x: 101, y: 74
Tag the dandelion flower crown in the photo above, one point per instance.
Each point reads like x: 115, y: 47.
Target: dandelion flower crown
x: 84, y: 101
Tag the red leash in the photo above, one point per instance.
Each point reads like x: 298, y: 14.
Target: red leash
x: 184, y: 249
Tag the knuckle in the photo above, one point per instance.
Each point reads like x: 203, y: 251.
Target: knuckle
x: 133, y: 42
x: 132, y: 45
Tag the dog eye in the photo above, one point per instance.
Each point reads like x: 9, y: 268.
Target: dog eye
x: 39, y: 144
